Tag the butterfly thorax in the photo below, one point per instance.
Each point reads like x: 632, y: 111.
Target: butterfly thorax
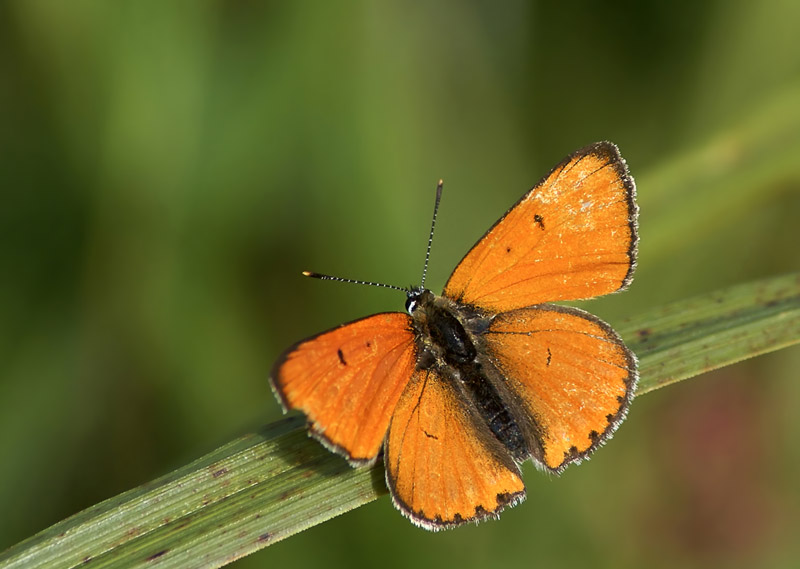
x: 445, y: 332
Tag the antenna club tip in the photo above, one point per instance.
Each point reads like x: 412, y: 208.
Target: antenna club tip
x: 308, y: 274
x: 441, y: 182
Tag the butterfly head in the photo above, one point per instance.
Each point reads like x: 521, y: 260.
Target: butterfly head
x: 417, y: 297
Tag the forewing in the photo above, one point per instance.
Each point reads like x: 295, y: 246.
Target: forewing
x: 571, y: 373
x: 348, y: 380
x: 572, y: 236
x: 443, y: 466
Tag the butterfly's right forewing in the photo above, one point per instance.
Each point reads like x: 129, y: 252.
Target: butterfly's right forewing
x: 572, y: 236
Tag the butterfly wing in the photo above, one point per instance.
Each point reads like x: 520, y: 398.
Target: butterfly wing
x: 443, y: 465
x: 572, y: 236
x: 571, y: 374
x: 348, y: 380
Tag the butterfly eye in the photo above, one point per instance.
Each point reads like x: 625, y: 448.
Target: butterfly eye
x: 417, y: 296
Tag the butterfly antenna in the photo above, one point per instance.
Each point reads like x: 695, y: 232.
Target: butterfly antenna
x: 433, y: 226
x: 322, y: 277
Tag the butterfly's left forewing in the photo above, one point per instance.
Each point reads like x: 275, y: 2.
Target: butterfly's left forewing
x: 348, y: 380
x: 443, y: 465
x: 570, y: 373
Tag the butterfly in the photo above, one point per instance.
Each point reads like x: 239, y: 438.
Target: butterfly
x: 462, y: 388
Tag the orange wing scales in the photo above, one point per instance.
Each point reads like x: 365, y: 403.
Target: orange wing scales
x: 571, y: 372
x: 572, y: 236
x: 348, y: 380
x: 443, y: 466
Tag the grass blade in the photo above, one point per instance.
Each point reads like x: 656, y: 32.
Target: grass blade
x: 272, y: 484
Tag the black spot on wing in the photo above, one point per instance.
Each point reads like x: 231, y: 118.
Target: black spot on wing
x: 430, y: 436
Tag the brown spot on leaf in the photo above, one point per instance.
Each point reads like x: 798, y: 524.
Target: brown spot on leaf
x: 157, y: 555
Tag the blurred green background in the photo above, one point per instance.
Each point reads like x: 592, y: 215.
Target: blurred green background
x: 169, y: 168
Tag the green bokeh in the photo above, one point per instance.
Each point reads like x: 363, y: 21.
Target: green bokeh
x: 168, y: 168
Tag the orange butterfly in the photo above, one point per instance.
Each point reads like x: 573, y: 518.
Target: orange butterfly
x: 464, y: 387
